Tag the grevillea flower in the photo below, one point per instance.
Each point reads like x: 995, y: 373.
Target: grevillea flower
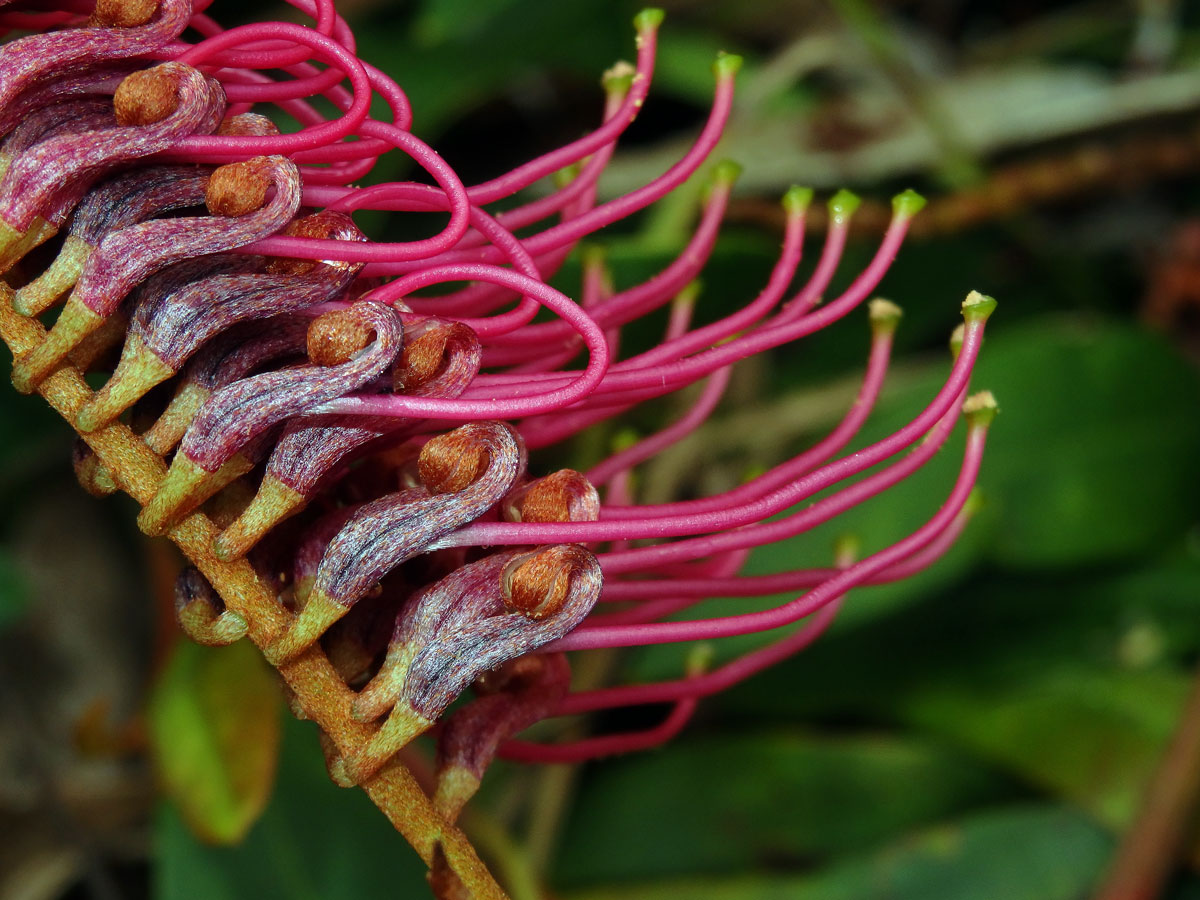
x: 359, y: 437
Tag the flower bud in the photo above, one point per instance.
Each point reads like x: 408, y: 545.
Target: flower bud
x: 123, y: 13
x: 563, y: 496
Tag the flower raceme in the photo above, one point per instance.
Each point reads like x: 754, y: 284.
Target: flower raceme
x: 360, y: 439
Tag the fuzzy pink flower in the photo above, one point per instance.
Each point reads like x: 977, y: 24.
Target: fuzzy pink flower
x: 362, y: 440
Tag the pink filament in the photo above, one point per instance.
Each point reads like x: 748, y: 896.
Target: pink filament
x: 746, y: 513
x: 805, y: 605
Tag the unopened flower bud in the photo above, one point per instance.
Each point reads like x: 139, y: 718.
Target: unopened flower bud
x: 451, y: 462
x: 440, y: 358
x: 146, y: 97
x: 563, y: 496
x: 536, y: 584
x: 459, y: 629
x: 246, y: 409
x: 237, y: 188
x: 386, y: 532
x: 123, y: 13
x: 509, y: 699
x: 335, y: 337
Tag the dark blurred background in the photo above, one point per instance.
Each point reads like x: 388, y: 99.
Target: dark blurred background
x: 985, y: 730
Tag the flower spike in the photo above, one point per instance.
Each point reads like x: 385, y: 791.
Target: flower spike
x: 345, y: 449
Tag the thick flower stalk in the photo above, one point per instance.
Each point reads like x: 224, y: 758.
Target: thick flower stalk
x: 342, y: 444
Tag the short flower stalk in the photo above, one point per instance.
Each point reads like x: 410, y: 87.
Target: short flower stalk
x: 341, y: 444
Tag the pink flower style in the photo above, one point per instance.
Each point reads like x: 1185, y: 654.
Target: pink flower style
x: 363, y: 441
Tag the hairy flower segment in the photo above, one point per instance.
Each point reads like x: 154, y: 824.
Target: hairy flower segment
x: 360, y: 440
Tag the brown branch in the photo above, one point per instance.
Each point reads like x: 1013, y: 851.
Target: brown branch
x: 1093, y: 166
x: 1150, y: 848
x: 320, y: 692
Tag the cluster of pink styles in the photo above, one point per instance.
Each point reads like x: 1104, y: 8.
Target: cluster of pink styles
x: 362, y: 439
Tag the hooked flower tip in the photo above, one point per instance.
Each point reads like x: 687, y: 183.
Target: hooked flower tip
x: 237, y: 188
x: 451, y: 462
x: 537, y: 584
x: 146, y: 96
x: 980, y: 409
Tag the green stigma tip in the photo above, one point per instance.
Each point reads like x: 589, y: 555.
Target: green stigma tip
x: 624, y: 439
x: 618, y: 78
x: 727, y: 172
x: 727, y: 64
x: 907, y: 204
x: 565, y: 176
x: 977, y: 307
x: 649, y: 19
x: 700, y: 659
x: 843, y: 205
x: 593, y: 255
x: 689, y: 293
x: 956, y: 340
x: 885, y: 315
x: 980, y: 409
x: 846, y: 549
x: 975, y: 501
x: 797, y: 199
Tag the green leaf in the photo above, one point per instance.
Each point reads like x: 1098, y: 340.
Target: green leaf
x: 1035, y: 853
x: 14, y: 594
x: 458, y: 20
x: 732, y: 803
x: 1094, y: 457
x: 1084, y: 734
x: 314, y: 842
x: 214, y: 727
x: 509, y: 45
